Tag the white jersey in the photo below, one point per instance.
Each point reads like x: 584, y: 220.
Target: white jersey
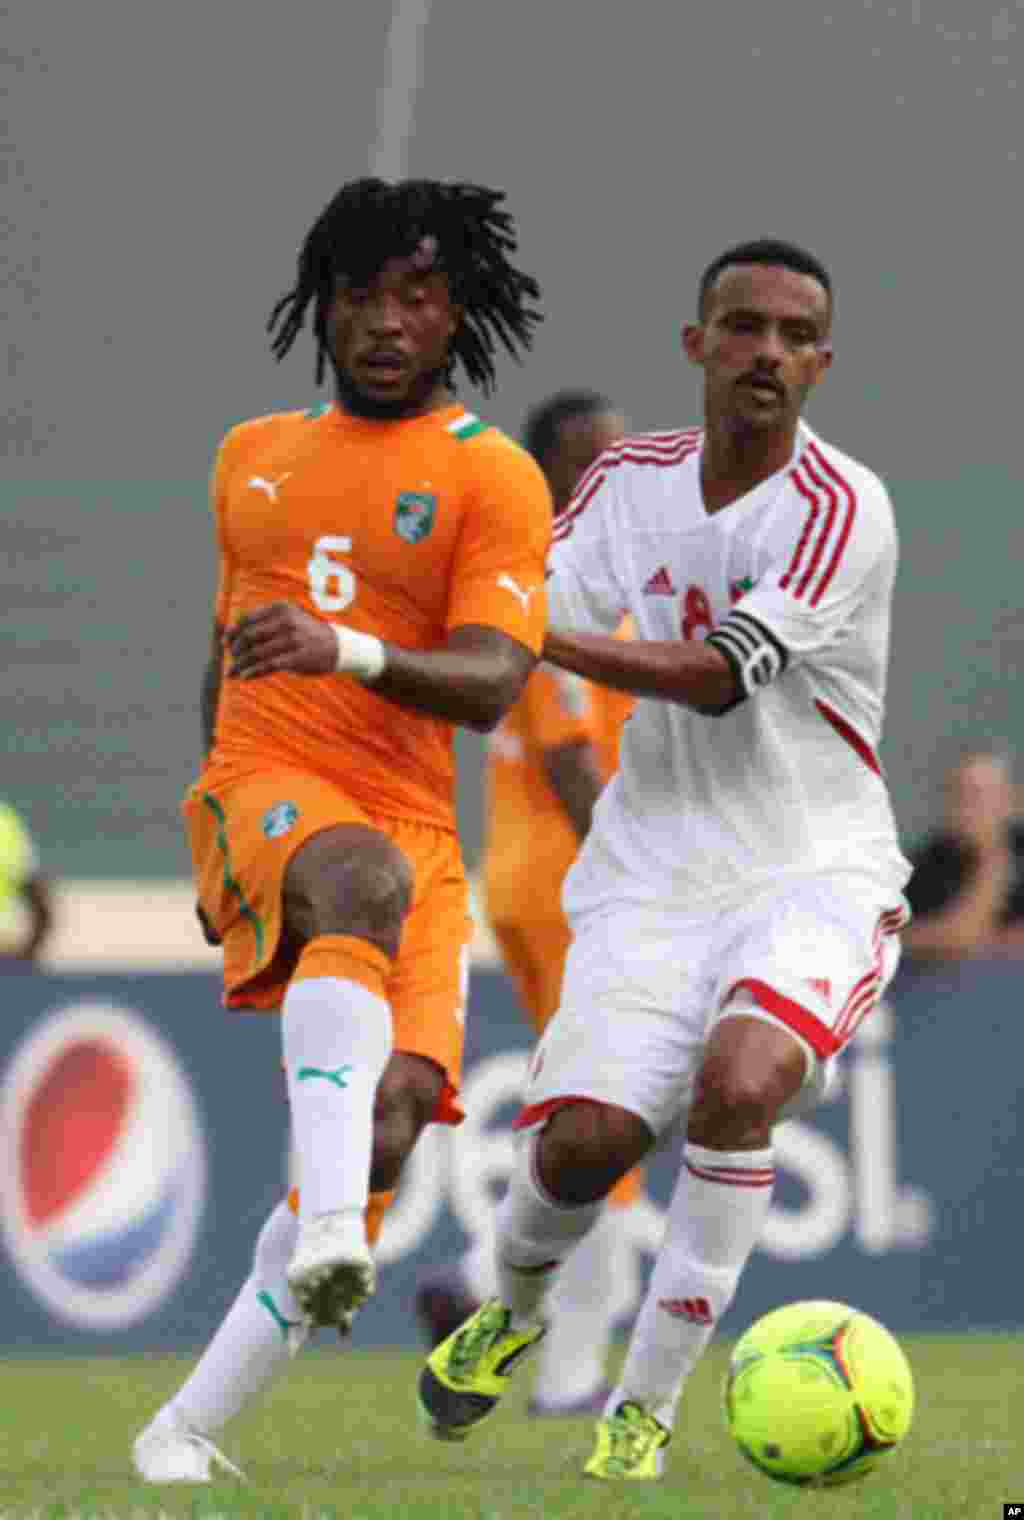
x: 793, y: 583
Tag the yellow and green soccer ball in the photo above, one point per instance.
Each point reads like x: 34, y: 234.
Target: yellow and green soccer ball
x: 816, y: 1393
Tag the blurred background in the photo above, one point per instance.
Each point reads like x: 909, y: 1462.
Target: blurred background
x: 162, y: 175
x: 165, y: 163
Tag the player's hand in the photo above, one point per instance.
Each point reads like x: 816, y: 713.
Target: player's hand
x: 281, y: 637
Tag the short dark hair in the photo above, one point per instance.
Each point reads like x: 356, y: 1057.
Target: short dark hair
x: 371, y: 220
x: 540, y: 430
x: 763, y: 251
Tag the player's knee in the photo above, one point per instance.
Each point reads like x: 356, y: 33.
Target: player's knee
x: 353, y: 882
x: 747, y: 1077
x: 407, y: 1097
x: 585, y: 1148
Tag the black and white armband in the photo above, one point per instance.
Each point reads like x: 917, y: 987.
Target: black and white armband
x: 753, y: 651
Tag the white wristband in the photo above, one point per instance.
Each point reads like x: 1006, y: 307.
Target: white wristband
x: 359, y: 654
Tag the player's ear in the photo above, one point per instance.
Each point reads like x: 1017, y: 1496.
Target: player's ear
x: 826, y: 354
x: 692, y: 334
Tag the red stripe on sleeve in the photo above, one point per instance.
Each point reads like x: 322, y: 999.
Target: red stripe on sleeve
x: 808, y: 528
x: 584, y: 496
x: 826, y: 528
x: 844, y: 536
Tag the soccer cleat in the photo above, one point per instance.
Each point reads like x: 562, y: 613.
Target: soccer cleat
x: 332, y: 1273
x: 630, y: 1444
x: 467, y: 1374
x: 167, y: 1451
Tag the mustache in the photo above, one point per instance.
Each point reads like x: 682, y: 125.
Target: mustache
x: 761, y: 377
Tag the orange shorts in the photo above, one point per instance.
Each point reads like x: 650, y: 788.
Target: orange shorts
x: 244, y: 831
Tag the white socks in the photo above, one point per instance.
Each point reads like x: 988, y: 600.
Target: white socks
x: 337, y: 1041
x: 534, y: 1236
x: 715, y: 1219
x: 251, y: 1344
x: 580, y: 1311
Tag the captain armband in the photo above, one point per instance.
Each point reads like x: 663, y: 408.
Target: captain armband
x: 752, y: 650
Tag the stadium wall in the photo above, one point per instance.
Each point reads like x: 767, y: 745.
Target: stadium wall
x: 144, y: 1137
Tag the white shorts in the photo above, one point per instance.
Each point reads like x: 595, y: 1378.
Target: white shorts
x: 643, y: 987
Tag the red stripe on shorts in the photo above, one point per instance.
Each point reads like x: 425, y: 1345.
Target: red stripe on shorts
x: 801, y: 1020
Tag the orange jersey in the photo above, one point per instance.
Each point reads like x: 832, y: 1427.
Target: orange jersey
x: 405, y: 530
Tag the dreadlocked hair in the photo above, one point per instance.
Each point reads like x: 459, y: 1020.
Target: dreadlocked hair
x: 370, y: 221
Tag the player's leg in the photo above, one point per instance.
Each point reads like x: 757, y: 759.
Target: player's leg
x: 345, y: 897
x: 715, y: 1218
x: 252, y: 1345
x: 261, y: 1330
x: 582, y: 1308
x: 794, y: 982
x: 594, y: 1104
x: 309, y: 898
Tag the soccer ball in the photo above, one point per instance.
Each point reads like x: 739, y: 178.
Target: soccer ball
x: 816, y: 1393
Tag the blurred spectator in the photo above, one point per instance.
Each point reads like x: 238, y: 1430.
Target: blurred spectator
x: 26, y: 901
x: 967, y: 890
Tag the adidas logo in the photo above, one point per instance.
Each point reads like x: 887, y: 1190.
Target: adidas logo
x: 660, y: 583
x: 696, y: 1310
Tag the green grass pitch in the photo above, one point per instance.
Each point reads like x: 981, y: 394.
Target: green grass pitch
x: 338, y: 1439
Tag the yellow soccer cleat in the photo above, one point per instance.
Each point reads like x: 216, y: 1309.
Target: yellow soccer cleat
x: 466, y: 1375
x: 630, y: 1444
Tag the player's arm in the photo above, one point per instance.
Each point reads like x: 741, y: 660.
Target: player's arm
x: 472, y: 680
x: 691, y: 675
x: 558, y: 720
x: 573, y: 775
x: 587, y: 595
x: 821, y: 568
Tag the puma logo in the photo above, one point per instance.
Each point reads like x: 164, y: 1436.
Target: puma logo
x: 260, y: 483
x: 506, y: 582
x: 307, y: 1073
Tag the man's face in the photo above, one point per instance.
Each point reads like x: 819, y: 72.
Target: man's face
x: 762, y: 343
x: 580, y: 440
x: 390, y: 337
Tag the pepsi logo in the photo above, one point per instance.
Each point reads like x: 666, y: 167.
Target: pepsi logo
x: 102, y: 1165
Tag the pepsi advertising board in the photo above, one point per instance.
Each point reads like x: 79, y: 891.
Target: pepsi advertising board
x: 144, y: 1141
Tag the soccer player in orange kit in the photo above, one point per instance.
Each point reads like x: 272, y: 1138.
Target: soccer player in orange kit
x: 381, y: 580
x: 547, y: 762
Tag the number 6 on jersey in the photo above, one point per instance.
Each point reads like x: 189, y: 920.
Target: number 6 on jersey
x: 322, y: 568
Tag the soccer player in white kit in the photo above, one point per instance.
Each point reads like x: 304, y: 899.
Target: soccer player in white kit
x: 736, y: 906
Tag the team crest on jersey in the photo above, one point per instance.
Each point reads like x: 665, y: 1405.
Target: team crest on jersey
x: 414, y: 515
x: 740, y: 588
x: 277, y: 820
